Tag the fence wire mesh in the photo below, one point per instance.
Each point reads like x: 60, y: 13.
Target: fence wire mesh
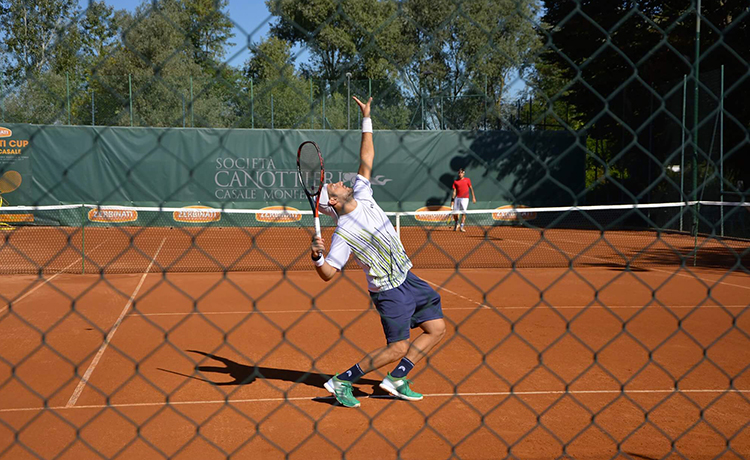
x: 158, y: 298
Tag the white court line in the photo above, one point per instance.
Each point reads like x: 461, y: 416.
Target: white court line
x: 572, y: 307
x: 434, y: 395
x: 47, y: 280
x: 84, y: 380
x: 577, y: 255
x: 480, y: 307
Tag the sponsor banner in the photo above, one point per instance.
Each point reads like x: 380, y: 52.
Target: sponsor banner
x: 16, y: 218
x: 197, y: 214
x: 511, y: 214
x: 15, y: 168
x: 433, y: 214
x: 11, y: 146
x: 278, y: 215
x: 111, y: 215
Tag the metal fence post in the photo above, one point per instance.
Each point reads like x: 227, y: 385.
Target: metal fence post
x: 348, y: 100
x: 67, y: 92
x: 192, y: 103
x: 485, y: 102
x: 682, y: 154
x: 130, y: 98
x: 721, y: 150
x: 695, y: 128
x: 2, y: 99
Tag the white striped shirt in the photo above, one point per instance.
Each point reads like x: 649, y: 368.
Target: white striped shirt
x: 368, y: 234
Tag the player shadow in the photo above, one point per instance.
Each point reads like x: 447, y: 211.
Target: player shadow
x: 242, y: 374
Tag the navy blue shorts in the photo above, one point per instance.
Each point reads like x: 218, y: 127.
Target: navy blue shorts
x: 406, y: 307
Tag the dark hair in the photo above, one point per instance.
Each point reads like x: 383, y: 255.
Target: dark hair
x: 461, y: 170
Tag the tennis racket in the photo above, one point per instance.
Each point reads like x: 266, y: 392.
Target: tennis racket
x: 311, y: 174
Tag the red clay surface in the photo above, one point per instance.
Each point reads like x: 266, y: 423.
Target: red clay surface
x: 126, y: 249
x: 595, y: 362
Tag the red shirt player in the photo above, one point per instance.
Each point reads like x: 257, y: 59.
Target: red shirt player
x: 460, y: 199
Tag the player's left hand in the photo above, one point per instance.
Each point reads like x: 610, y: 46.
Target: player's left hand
x: 317, y: 247
x: 365, y: 108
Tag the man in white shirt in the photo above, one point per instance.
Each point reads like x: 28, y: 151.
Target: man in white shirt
x: 402, y: 299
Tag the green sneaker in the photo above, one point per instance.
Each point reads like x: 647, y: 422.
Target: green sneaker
x: 342, y: 389
x: 399, y: 388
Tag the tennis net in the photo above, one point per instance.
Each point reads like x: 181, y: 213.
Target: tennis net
x: 114, y: 239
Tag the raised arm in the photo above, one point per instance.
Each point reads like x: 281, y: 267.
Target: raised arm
x: 366, y: 149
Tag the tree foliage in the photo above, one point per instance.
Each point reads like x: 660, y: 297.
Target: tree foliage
x: 272, y: 67
x: 621, y: 65
x: 35, y: 35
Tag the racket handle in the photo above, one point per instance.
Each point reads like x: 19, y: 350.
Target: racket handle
x: 317, y: 226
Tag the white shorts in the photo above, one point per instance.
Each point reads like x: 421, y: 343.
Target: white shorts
x: 460, y: 205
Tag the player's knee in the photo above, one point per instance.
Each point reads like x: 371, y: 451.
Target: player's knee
x: 399, y: 349
x: 435, y: 328
x: 439, y: 329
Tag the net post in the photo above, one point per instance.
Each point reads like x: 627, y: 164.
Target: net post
x: 83, y: 239
x: 398, y: 225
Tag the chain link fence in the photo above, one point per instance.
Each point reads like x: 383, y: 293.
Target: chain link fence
x: 597, y: 306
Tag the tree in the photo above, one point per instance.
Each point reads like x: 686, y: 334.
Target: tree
x: 358, y: 36
x: 439, y: 49
x: 468, y: 46
x: 209, y: 29
x: 271, y: 69
x: 623, y: 64
x: 99, y: 30
x: 30, y: 30
x: 156, y: 58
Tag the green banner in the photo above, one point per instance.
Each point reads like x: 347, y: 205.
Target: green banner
x: 240, y: 168
x: 15, y: 167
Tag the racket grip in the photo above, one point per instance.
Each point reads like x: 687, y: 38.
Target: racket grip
x: 317, y: 226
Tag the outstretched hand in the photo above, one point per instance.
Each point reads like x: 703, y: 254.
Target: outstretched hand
x: 365, y: 108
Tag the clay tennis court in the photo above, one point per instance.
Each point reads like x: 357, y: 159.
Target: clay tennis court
x: 585, y: 358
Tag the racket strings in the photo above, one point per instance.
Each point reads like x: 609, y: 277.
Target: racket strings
x: 310, y: 167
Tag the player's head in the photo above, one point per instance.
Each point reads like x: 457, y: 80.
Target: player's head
x: 461, y: 173
x: 333, y: 197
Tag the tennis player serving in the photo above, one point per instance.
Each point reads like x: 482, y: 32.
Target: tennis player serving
x: 402, y: 299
